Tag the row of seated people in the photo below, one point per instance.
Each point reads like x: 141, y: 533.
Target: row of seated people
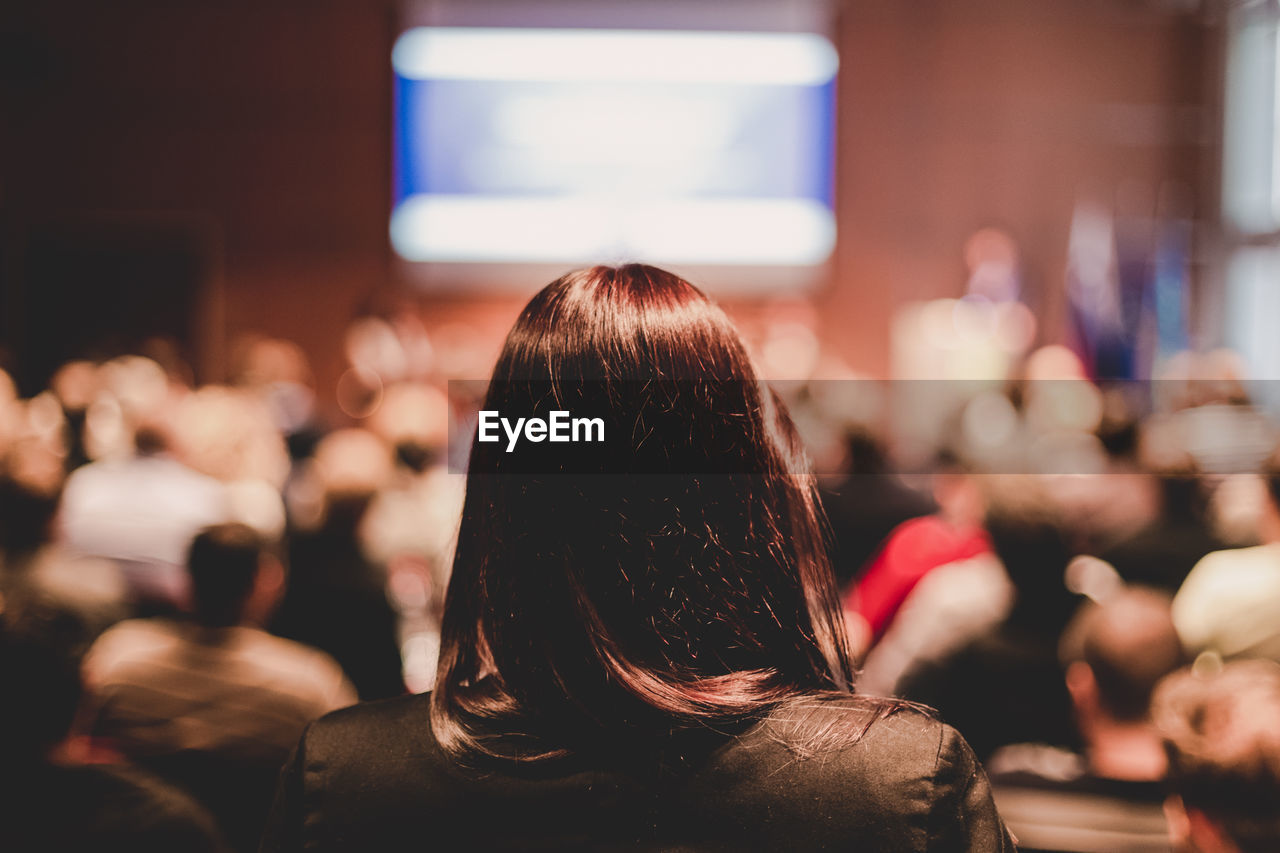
x: 202, y: 644
x: 993, y: 612
x: 235, y: 579
x: 207, y: 704
x: 211, y: 706
x: 1060, y: 707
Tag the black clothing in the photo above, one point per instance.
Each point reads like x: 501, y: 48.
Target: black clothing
x: 1002, y: 688
x: 1163, y: 553
x: 863, y: 510
x: 50, y: 807
x: 336, y: 601
x: 237, y: 793
x: 372, y: 778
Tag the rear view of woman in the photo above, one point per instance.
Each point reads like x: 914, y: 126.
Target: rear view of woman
x: 642, y: 646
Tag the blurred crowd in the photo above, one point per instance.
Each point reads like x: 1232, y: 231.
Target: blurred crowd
x: 1082, y: 577
x: 1085, y: 581
x: 191, y: 574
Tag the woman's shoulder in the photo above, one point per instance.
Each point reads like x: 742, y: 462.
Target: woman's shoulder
x: 371, y: 735
x: 815, y: 768
x: 376, y: 715
x: 847, y: 743
x: 839, y: 728
x: 880, y: 770
x: 378, y: 712
x: 866, y: 732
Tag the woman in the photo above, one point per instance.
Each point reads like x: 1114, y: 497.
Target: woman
x: 641, y: 642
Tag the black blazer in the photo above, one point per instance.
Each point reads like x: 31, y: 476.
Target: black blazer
x: 371, y: 778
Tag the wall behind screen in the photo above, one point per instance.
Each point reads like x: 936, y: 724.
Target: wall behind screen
x: 270, y: 121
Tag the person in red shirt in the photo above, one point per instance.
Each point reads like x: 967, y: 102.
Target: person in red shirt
x: 915, y: 548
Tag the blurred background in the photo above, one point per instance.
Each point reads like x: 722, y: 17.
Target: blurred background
x: 198, y: 173
x: 257, y: 259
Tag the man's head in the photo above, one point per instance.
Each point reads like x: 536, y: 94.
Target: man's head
x: 234, y: 575
x: 1115, y: 653
x: 1031, y: 535
x: 40, y: 649
x: 351, y: 466
x: 1222, y: 735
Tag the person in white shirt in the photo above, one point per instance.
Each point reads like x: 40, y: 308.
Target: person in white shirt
x: 1230, y: 603
x: 142, y: 511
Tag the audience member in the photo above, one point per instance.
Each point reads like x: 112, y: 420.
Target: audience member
x: 213, y: 703
x: 75, y: 384
x: 30, y: 561
x: 1222, y: 736
x: 416, y: 514
x: 866, y: 503
x: 1004, y: 685
x: 953, y: 604
x: 48, y: 800
x: 1228, y: 604
x: 142, y: 511
x: 1109, y: 796
x: 277, y: 372
x: 650, y: 661
x: 1162, y: 553
x: 411, y: 526
x: 337, y: 596
x: 917, y: 547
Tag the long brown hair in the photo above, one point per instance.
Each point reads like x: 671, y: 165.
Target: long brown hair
x: 677, y: 578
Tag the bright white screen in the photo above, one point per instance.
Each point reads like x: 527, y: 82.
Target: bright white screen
x: 563, y: 146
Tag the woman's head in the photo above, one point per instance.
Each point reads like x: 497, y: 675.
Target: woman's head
x: 673, y: 573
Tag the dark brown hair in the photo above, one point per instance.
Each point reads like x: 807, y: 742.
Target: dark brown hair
x: 642, y: 594
x: 223, y: 562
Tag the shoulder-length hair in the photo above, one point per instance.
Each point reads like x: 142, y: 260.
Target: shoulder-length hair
x: 676, y: 578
